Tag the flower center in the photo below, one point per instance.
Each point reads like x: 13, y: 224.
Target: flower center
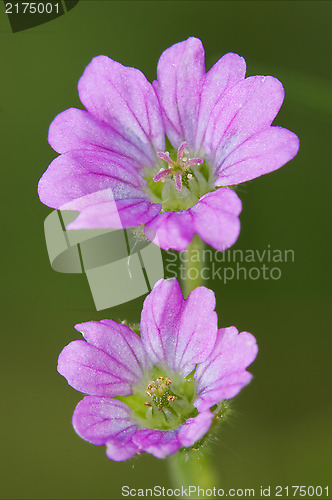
x: 178, y: 181
x: 179, y: 168
x: 162, y: 402
x: 160, y: 393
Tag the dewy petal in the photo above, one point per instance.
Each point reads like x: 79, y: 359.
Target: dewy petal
x: 215, y: 218
x: 260, y: 154
x: 248, y: 107
x: 223, y: 374
x: 97, y: 367
x: 79, y: 179
x: 99, y: 420
x: 78, y: 129
x: 118, y: 341
x: 176, y: 332
x: 122, y: 447
x: 195, y: 428
x: 124, y: 99
x: 180, y: 74
x: 228, y: 71
x: 117, y: 214
x: 158, y: 443
x: 171, y: 230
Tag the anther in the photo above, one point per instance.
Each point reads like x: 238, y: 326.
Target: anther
x: 147, y: 403
x: 171, y: 398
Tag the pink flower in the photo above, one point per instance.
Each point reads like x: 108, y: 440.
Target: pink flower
x: 113, y: 167
x: 158, y: 392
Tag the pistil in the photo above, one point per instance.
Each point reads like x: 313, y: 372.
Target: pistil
x: 176, y: 169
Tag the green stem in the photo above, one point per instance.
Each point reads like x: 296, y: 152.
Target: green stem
x: 192, y: 469
x: 194, y: 260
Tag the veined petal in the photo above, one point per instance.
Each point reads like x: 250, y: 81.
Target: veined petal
x: 99, y: 420
x: 223, y: 374
x: 78, y: 129
x: 158, y: 443
x: 180, y: 74
x: 118, y: 341
x: 216, y: 218
x: 124, y: 99
x: 79, y: 179
x: 225, y: 73
x: 195, y: 428
x: 248, y: 107
x: 97, y: 366
x: 176, y: 332
x: 260, y: 154
x: 117, y: 214
x: 122, y: 447
x: 171, y: 230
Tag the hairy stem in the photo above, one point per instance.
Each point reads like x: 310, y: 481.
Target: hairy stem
x: 192, y: 470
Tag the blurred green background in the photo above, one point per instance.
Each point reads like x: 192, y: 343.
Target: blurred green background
x: 280, y: 430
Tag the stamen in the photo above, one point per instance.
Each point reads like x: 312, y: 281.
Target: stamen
x: 171, y: 398
x: 166, y: 157
x: 181, y: 150
x: 160, y: 175
x: 178, y: 180
x: 194, y: 161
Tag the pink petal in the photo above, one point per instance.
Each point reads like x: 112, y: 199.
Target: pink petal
x: 79, y: 179
x: 180, y: 74
x: 260, y: 154
x: 118, y: 341
x: 171, y: 230
x: 122, y: 448
x: 216, y: 218
x: 195, y: 428
x: 124, y: 99
x: 78, y: 129
x: 158, y: 443
x: 99, y: 420
x: 228, y: 71
x: 247, y: 108
x: 178, y: 332
x: 116, y: 214
x: 98, y: 367
x: 223, y: 374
